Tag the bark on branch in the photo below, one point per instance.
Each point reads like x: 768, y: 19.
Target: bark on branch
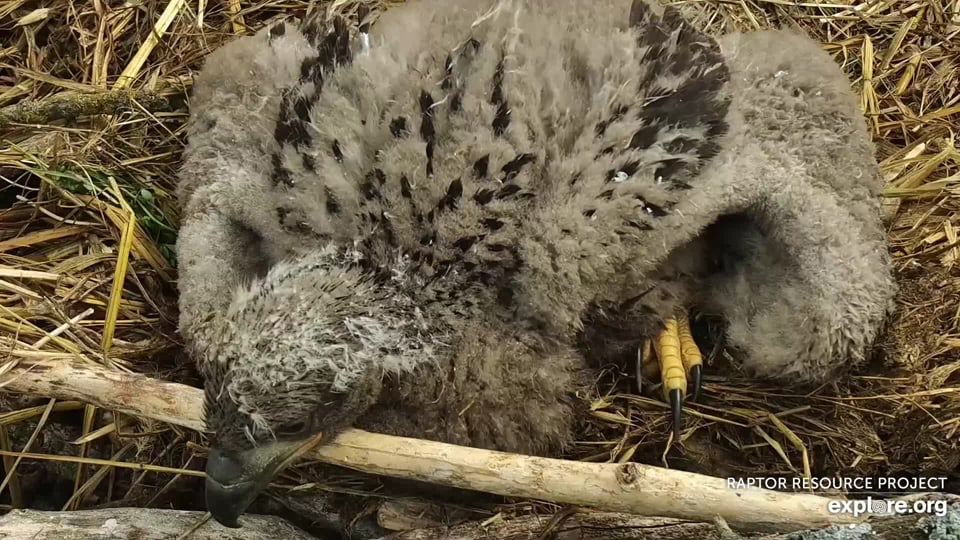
x: 141, y: 523
x: 151, y: 523
x: 628, y: 488
x: 77, y: 105
x: 611, y: 526
x: 579, y: 525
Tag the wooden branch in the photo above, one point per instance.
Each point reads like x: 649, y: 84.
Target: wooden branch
x: 582, y: 526
x: 141, y: 523
x: 610, y: 526
x: 629, y: 487
x: 77, y: 105
x: 117, y: 390
x: 150, y: 524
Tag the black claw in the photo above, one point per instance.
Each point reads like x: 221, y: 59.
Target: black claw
x: 696, y: 373
x: 676, y: 402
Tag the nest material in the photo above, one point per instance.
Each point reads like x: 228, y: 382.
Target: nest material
x: 89, y: 172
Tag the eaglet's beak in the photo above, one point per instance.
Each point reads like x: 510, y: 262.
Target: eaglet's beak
x: 233, y: 482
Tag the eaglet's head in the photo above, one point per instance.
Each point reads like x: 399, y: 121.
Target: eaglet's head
x: 298, y: 353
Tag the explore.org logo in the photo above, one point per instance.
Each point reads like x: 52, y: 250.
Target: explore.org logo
x: 871, y: 506
x: 863, y: 491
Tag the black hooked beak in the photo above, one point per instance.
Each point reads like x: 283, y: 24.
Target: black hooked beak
x: 228, y: 493
x: 233, y: 482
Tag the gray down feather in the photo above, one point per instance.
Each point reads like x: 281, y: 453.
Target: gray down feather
x: 443, y: 236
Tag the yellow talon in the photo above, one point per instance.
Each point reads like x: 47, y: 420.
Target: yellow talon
x: 676, y: 357
x: 648, y: 367
x: 690, y: 354
x: 667, y: 347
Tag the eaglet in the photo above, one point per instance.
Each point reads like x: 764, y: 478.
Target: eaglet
x: 441, y: 229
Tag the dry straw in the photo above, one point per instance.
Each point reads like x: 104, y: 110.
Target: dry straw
x: 93, y: 99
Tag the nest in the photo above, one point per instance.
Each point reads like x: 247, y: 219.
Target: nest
x: 93, y: 104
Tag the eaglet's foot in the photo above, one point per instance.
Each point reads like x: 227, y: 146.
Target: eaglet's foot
x: 673, y: 355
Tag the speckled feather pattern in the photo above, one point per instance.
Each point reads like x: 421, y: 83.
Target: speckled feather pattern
x: 439, y: 236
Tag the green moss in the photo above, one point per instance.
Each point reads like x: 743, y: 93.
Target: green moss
x: 154, y: 210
